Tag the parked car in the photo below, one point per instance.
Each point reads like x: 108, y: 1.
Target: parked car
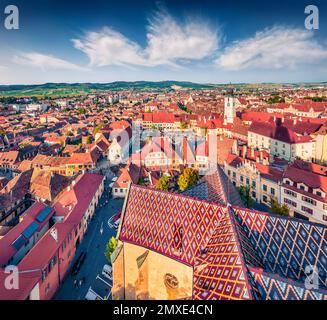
x: 100, y: 290
x: 78, y: 263
x: 116, y: 223
x: 107, y: 271
x: 117, y: 216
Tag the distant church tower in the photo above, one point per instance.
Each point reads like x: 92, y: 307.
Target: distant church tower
x: 229, y: 108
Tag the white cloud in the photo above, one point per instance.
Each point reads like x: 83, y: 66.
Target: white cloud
x: 108, y: 47
x: 273, y: 48
x: 168, y: 42
x: 45, y: 62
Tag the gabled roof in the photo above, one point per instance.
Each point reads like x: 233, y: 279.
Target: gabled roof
x: 154, y: 219
x: 220, y: 272
x: 215, y: 187
x: 131, y: 173
x: 225, y: 244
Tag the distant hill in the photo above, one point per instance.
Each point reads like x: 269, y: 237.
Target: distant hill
x: 76, y: 89
x: 118, y: 85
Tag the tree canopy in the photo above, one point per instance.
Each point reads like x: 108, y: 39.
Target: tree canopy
x: 187, y: 179
x: 245, y: 194
x: 163, y: 183
x: 276, y: 208
x: 110, y: 248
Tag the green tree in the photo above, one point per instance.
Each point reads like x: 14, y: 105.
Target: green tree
x: 97, y: 128
x: 81, y: 111
x: 187, y: 179
x: 184, y: 125
x: 277, y: 208
x: 275, y: 99
x: 163, y: 183
x: 110, y: 248
x: 89, y: 140
x: 69, y: 134
x: 245, y: 194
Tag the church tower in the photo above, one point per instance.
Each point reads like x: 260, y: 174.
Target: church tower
x: 229, y: 108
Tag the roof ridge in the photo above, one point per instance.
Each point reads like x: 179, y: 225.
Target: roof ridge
x: 247, y: 274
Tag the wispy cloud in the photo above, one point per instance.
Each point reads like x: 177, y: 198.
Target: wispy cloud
x: 45, y: 62
x: 273, y: 48
x: 168, y: 43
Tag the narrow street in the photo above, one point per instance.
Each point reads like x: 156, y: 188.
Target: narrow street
x: 93, y: 244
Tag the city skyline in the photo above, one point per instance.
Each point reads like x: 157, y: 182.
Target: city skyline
x: 106, y: 42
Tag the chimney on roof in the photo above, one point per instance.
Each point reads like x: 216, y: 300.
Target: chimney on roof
x: 261, y: 155
x: 294, y: 121
x: 252, y: 153
x: 244, y: 151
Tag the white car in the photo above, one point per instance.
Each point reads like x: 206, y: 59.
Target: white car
x: 100, y: 290
x: 107, y: 271
x: 116, y: 224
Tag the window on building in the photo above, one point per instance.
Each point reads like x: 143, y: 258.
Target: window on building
x: 44, y: 274
x: 63, y: 246
x: 307, y: 210
x: 242, y: 178
x: 47, y: 288
x: 265, y: 199
x: 309, y: 200
x: 234, y: 174
x: 264, y: 187
x: 290, y: 202
x: 272, y: 191
x: 254, y: 184
x: 289, y: 192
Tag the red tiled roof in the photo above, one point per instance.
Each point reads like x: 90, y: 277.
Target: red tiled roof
x: 7, y: 250
x: 74, y: 202
x: 310, y: 179
x: 278, y: 132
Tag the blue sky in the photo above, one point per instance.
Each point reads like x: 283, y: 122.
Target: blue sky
x: 201, y: 41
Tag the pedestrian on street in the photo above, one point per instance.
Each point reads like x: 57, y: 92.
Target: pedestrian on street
x: 80, y: 283
x: 75, y: 283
